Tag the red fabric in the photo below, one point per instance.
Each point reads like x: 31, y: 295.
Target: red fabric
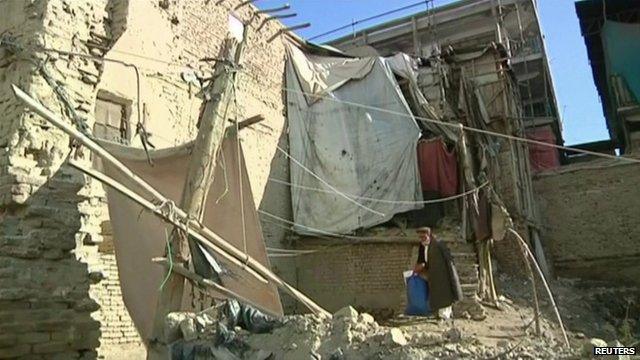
x: 438, y: 167
x: 543, y: 157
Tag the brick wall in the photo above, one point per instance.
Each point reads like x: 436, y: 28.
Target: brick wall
x: 591, y: 213
x: 48, y: 241
x: 117, y: 326
x: 50, y: 267
x: 369, y: 276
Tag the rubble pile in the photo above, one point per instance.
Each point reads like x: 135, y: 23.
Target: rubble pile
x: 346, y: 335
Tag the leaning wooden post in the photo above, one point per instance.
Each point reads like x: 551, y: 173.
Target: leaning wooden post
x: 205, y: 236
x: 212, y: 125
x: 546, y: 285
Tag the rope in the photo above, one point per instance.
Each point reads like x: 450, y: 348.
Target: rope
x: 433, y: 201
x: 240, y: 164
x: 170, y: 256
x: 226, y: 180
x: 326, y: 183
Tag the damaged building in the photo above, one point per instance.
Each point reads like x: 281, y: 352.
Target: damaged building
x: 319, y: 164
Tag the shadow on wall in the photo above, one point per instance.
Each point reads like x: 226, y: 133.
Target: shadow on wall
x: 44, y: 274
x: 277, y: 201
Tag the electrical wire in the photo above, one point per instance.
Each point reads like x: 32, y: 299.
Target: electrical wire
x: 432, y: 201
x: 319, y: 231
x: 353, y: 23
x: 468, y: 128
x: 310, y: 172
x: 454, y: 125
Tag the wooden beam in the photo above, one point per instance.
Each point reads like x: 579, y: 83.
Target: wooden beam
x: 417, y: 51
x: 148, y: 205
x: 249, y: 121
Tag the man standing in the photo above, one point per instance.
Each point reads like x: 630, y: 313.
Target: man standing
x: 435, y: 265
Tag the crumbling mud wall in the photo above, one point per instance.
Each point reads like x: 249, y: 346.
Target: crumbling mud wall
x: 591, y: 215
x: 53, y: 296
x: 49, y: 262
x: 169, y: 42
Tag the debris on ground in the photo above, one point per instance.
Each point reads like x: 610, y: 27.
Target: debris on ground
x: 235, y: 331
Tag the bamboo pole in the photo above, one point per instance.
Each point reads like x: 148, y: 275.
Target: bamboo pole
x: 546, y: 285
x: 207, y: 283
x: 208, y: 237
x: 203, y: 234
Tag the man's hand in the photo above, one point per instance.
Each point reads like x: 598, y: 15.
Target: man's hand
x: 418, y: 268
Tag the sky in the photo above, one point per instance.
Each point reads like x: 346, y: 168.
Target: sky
x: 578, y: 99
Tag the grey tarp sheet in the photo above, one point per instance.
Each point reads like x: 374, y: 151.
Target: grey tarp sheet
x: 139, y: 235
x: 362, y: 152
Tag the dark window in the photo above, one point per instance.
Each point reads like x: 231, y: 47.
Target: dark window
x: 111, y: 121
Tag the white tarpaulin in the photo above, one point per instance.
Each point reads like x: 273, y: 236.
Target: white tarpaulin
x: 318, y: 75
x: 368, y: 155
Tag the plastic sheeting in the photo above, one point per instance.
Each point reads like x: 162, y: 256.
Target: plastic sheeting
x: 139, y: 235
x: 622, y: 51
x: 361, y: 152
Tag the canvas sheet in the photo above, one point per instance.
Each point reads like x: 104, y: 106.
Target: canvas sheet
x: 368, y: 155
x: 139, y: 235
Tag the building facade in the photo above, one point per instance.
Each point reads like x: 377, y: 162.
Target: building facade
x: 110, y: 65
x: 475, y: 23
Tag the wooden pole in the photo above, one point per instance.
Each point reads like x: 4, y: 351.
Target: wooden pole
x: 198, y: 181
x: 546, y: 286
x: 179, y: 222
x: 206, y: 283
x: 204, y: 235
x: 534, y: 289
x: 207, y: 238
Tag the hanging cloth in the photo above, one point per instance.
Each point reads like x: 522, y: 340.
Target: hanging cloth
x: 438, y: 167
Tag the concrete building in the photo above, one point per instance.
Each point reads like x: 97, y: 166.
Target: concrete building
x: 613, y: 53
x: 475, y: 23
